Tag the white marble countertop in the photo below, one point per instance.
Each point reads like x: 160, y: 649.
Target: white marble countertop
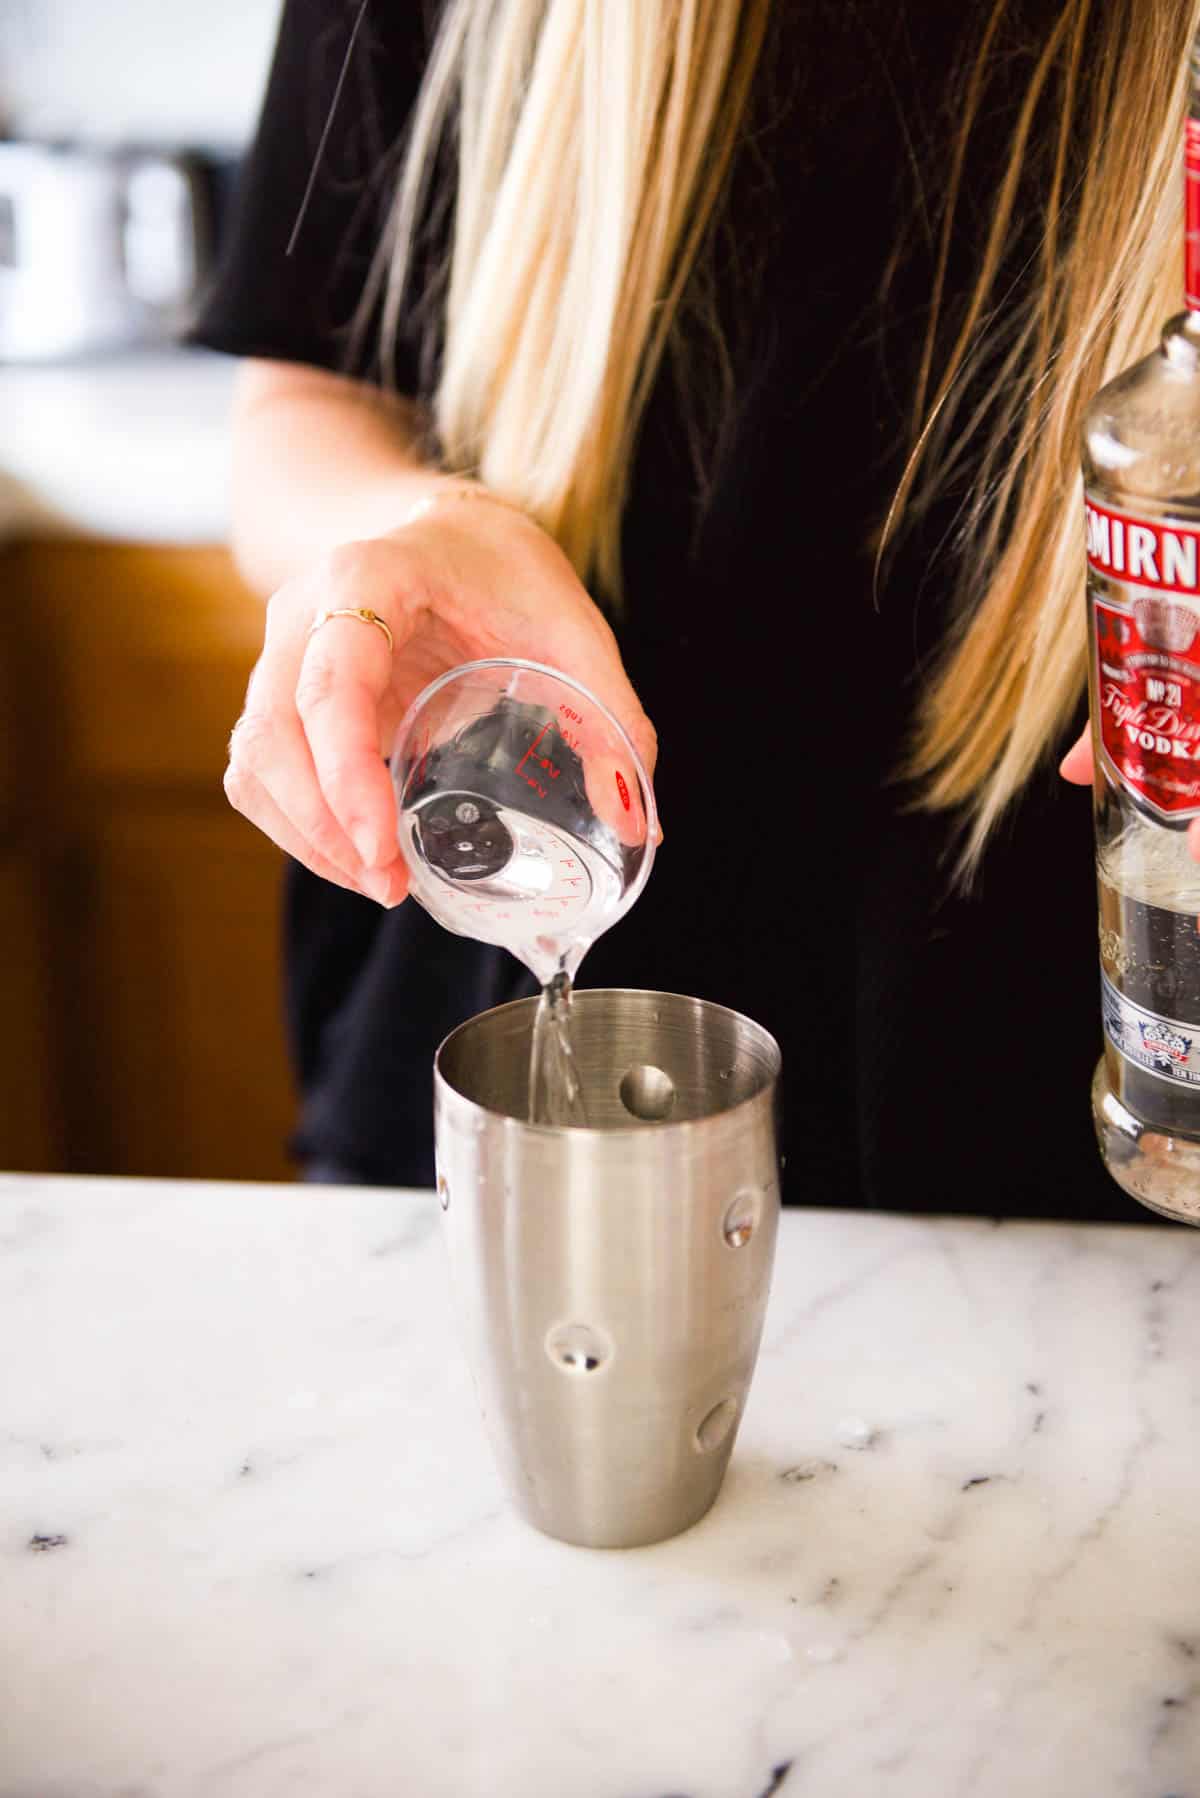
x: 131, y: 447
x: 252, y: 1544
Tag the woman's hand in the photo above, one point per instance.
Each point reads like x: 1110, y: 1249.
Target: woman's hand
x: 466, y: 577
x: 1079, y: 767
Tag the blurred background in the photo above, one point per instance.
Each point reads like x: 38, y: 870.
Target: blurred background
x: 140, y: 1017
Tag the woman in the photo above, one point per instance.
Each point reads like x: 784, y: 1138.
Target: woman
x: 731, y: 357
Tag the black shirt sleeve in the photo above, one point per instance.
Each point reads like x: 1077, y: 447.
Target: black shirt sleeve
x: 300, y: 307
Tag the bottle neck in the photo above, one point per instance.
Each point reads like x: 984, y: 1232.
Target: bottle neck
x: 1191, y: 212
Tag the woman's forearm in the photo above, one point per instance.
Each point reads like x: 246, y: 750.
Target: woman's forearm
x: 318, y: 460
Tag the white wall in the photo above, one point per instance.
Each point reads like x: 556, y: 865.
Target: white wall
x: 165, y: 72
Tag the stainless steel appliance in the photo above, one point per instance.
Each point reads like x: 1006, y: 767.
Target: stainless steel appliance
x: 99, y: 248
x: 612, y: 1281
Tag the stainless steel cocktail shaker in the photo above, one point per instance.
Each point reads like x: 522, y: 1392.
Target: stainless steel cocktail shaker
x: 612, y: 1281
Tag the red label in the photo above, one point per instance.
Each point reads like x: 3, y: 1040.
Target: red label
x: 622, y: 789
x: 1149, y: 712
x: 1146, y: 609
x: 1191, y: 217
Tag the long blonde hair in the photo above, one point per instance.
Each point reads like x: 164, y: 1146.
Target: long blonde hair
x: 591, y: 141
x: 1105, y: 102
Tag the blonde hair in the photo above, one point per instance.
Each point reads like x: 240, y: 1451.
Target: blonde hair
x: 1112, y: 82
x: 591, y: 141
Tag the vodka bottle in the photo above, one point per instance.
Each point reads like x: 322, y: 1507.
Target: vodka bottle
x: 1141, y: 455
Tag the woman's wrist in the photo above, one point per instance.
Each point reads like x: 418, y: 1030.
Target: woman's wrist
x: 451, y: 490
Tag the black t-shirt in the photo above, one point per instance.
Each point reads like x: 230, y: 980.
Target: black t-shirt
x: 938, y: 1046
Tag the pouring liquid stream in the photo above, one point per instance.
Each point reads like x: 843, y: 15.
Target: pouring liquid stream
x: 555, y: 1089
x: 545, y: 901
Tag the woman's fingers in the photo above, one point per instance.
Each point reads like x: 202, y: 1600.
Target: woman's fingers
x: 269, y: 758
x: 318, y: 695
x: 251, y: 798
x: 305, y: 763
x: 337, y: 696
x: 343, y: 681
x: 273, y: 777
x: 1078, y: 765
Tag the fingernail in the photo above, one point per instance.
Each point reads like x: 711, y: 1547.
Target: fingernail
x: 377, y: 887
x: 367, y: 844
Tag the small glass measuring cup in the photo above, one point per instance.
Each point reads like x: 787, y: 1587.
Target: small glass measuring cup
x: 526, y: 816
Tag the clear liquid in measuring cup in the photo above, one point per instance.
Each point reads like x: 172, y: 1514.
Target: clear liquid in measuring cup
x: 505, y: 843
x: 504, y: 877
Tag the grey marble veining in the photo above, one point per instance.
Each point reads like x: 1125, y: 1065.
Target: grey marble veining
x: 252, y: 1543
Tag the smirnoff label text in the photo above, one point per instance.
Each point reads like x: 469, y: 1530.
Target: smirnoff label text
x: 1146, y: 641
x: 1138, y: 550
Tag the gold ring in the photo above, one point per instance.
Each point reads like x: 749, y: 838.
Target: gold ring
x: 363, y: 612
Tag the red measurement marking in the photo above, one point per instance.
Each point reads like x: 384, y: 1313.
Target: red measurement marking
x: 569, y: 737
x: 622, y: 789
x: 549, y: 722
x: 567, y: 712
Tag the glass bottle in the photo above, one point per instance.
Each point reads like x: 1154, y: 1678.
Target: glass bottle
x: 1141, y: 457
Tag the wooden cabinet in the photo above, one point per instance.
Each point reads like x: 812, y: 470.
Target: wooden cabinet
x: 140, y: 988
